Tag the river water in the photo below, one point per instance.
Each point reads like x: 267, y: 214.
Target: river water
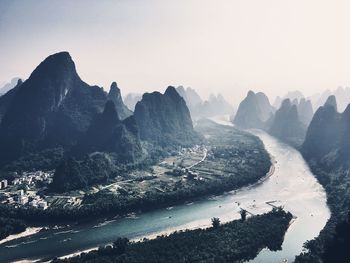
x: 292, y: 185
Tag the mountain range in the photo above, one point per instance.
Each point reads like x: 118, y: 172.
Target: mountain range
x: 327, y: 140
x: 288, y: 123
x: 214, y: 106
x: 342, y: 95
x: 55, y: 109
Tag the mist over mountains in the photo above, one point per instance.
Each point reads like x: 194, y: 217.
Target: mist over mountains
x: 288, y: 122
x: 56, y: 121
x: 131, y: 99
x: 8, y: 86
x: 342, y: 95
x: 215, y: 105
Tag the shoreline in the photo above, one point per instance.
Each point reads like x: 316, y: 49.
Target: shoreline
x: 172, y: 230
x: 28, y: 232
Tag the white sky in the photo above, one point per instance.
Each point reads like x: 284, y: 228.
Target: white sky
x: 227, y: 46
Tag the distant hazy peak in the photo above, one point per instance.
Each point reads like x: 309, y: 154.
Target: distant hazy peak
x: 181, y: 90
x: 286, y: 103
x: 250, y: 93
x: 8, y: 86
x: 331, y: 101
x: 296, y: 94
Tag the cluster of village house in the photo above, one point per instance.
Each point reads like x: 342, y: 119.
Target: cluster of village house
x: 25, y: 197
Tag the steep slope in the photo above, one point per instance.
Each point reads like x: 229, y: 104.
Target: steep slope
x: 193, y: 100
x: 305, y: 111
x: 190, y: 96
x: 109, y: 134
x: 6, y: 99
x: 8, y: 86
x: 164, y: 119
x: 343, y: 97
x: 325, y: 132
x: 254, y: 111
x: 286, y: 124
x: 115, y: 96
x: 331, y: 101
x: 53, y: 107
x: 72, y: 174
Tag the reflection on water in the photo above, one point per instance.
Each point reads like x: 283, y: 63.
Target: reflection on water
x: 292, y: 185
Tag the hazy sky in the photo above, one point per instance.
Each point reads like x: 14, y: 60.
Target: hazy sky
x: 227, y: 46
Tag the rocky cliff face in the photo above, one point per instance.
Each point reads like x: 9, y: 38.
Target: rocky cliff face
x: 52, y: 108
x: 331, y: 101
x: 115, y: 96
x: 164, y: 119
x: 254, y: 111
x: 107, y: 133
x: 6, y: 100
x: 286, y: 124
x: 327, y: 139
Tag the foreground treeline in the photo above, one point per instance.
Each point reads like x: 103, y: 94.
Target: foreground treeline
x: 9, y: 226
x: 322, y: 248
x: 231, y: 242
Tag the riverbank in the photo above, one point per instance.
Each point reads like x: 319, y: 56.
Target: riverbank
x: 230, y: 160
x: 292, y: 185
x: 236, y: 240
x: 338, y: 198
x: 28, y: 232
x: 197, y: 225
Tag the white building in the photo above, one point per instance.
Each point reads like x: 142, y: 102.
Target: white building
x: 16, y: 181
x: 4, y: 183
x: 42, y: 204
x: 22, y: 200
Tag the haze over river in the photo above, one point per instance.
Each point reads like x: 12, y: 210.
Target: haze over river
x: 292, y: 185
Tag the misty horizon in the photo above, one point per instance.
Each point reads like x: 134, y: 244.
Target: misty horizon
x: 227, y: 48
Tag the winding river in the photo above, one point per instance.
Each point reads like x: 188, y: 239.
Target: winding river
x: 292, y: 185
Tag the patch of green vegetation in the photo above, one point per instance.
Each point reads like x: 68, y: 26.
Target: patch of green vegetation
x: 336, y: 183
x: 231, y: 242
x: 10, y: 226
